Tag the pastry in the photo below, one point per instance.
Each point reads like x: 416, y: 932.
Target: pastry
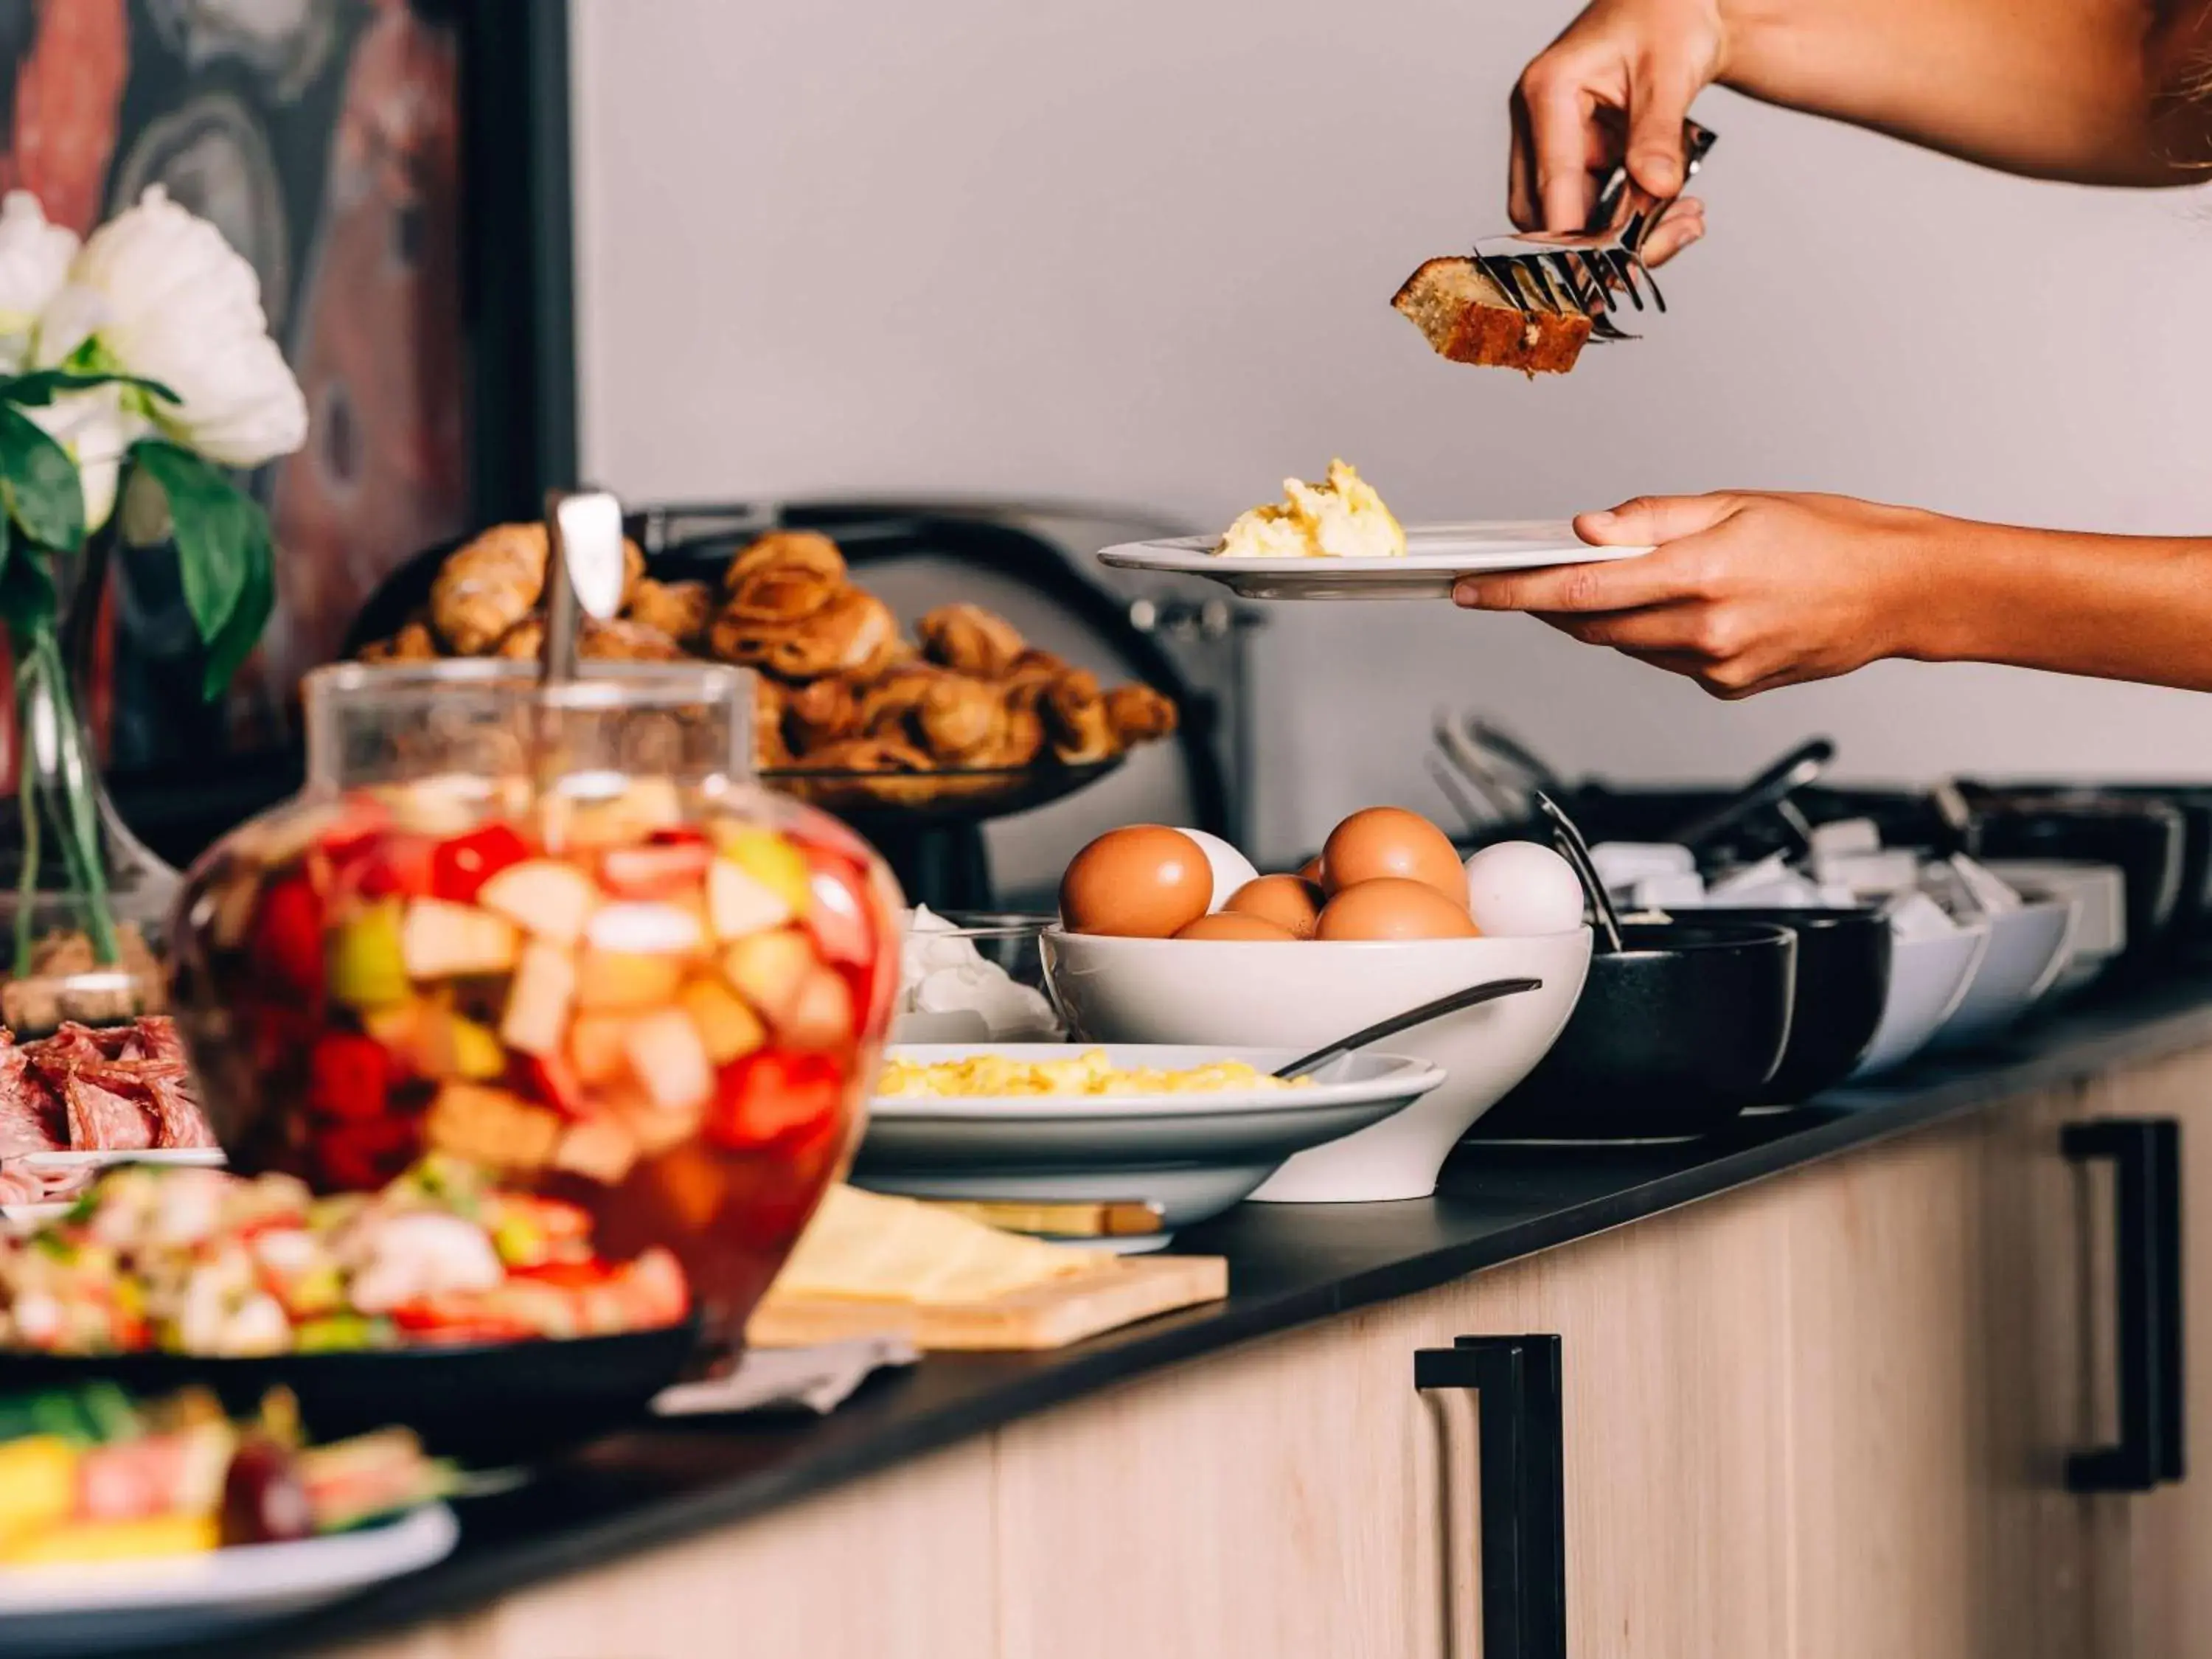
x: 1075, y: 720
x: 1468, y: 318
x: 487, y: 587
x: 490, y: 584
x: 679, y: 610
x: 961, y: 721
x: 524, y: 641
x: 1033, y: 666
x: 619, y: 640
x: 822, y: 713
x: 786, y: 549
x: 770, y: 749
x: 413, y: 643
x: 971, y: 639
x: 855, y: 633
x: 1139, y: 715
x: 1021, y: 734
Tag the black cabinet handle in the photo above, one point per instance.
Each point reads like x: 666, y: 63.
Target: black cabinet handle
x: 1524, y: 1533
x: 2146, y: 1157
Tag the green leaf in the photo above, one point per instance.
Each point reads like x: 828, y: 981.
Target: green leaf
x: 27, y: 592
x: 227, y: 652
x: 41, y: 387
x: 220, y: 531
x: 223, y: 555
x: 39, y: 483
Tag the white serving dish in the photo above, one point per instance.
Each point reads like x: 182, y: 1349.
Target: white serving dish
x: 1299, y: 997
x: 2029, y: 950
x: 1194, y: 1154
x: 1928, y: 978
x: 110, y: 1607
x: 2102, y: 889
x: 1435, y: 556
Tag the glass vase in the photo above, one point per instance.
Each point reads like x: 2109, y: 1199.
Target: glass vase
x: 84, y: 906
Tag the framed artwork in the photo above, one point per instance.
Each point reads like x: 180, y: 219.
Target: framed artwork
x: 397, y: 172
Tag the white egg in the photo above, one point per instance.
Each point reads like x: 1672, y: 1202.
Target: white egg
x: 1232, y: 869
x: 1520, y: 888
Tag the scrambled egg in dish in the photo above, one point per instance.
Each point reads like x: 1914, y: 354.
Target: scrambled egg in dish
x: 1087, y: 1074
x: 1340, y: 519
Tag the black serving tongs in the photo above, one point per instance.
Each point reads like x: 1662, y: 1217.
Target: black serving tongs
x: 1770, y: 790
x: 1590, y: 271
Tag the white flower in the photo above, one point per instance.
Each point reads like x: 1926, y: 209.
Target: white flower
x: 165, y: 298
x: 96, y: 427
x: 34, y: 261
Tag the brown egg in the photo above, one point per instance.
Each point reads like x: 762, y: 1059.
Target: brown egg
x: 1310, y: 870
x: 1391, y: 907
x: 1289, y: 901
x: 1230, y: 925
x: 1389, y: 840
x: 1142, y: 881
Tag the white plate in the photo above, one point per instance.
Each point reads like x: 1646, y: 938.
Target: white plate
x: 1192, y: 1154
x: 1435, y: 556
x: 110, y: 1607
x: 195, y: 1158
x: 23, y: 1215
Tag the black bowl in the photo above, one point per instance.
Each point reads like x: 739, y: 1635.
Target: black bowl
x: 1672, y: 1036
x: 1843, y: 981
x: 2148, y: 839
x: 486, y: 1406
x: 2192, y: 916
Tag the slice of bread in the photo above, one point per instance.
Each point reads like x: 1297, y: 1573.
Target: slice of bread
x: 1470, y: 319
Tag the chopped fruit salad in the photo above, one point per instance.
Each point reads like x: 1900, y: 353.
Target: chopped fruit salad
x: 661, y: 1004
x: 88, y: 1476
x: 196, y: 1260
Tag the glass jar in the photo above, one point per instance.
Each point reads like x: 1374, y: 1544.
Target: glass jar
x: 558, y: 934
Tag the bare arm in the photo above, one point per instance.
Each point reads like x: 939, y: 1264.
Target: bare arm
x: 2079, y: 89
x: 2089, y: 90
x: 1748, y: 591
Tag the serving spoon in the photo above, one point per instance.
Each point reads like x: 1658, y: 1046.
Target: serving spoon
x: 1473, y: 996
x: 1569, y: 836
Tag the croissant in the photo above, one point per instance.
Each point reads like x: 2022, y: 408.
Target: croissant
x: 769, y: 710
x: 487, y: 587
x: 1034, y: 666
x: 1139, y: 715
x: 524, y: 641
x: 621, y: 641
x: 679, y: 610
x: 1075, y: 718
x: 820, y: 713
x: 1022, y: 735
x: 884, y: 707
x: 855, y: 633
x: 788, y: 550
x: 961, y: 721
x: 971, y: 639
x: 412, y: 643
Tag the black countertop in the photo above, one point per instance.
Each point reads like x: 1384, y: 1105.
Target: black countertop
x: 1289, y: 1264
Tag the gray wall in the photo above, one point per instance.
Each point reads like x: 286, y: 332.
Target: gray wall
x: 1142, y: 249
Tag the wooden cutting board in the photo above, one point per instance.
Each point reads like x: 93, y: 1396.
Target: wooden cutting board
x: 1116, y: 1293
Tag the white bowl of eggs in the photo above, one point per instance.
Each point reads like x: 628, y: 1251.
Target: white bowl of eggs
x: 1172, y: 936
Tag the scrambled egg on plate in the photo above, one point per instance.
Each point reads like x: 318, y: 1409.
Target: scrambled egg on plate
x: 1340, y: 519
x: 1087, y: 1074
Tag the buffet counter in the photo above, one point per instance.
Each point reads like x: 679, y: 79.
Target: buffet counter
x: 1818, y: 1376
